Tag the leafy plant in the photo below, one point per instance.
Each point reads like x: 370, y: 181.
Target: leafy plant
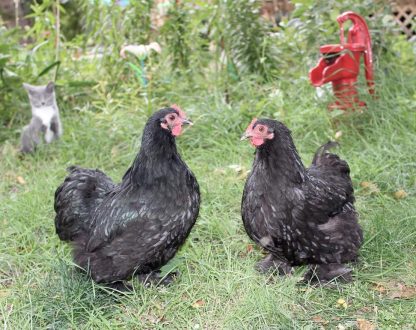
x: 109, y: 26
x: 14, y: 69
x: 176, y: 35
x: 246, y: 38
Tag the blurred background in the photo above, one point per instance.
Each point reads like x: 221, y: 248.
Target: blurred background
x: 203, y: 45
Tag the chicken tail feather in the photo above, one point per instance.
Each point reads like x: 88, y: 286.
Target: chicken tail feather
x: 77, y: 198
x: 322, y: 150
x: 329, y: 160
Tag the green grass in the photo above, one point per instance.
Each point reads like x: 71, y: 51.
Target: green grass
x: 40, y: 289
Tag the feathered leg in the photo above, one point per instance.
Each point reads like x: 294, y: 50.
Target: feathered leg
x: 271, y: 263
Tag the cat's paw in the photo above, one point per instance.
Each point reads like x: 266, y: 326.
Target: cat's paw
x: 49, y: 136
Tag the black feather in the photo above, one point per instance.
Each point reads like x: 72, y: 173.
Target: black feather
x: 301, y: 216
x: 138, y: 225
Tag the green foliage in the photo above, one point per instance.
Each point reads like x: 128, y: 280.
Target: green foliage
x: 222, y: 42
x: 8, y: 77
x: 246, y: 38
x: 73, y: 20
x: 108, y: 27
x: 177, y: 37
x: 44, y: 17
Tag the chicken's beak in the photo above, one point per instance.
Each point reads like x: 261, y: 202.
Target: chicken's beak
x: 187, y: 122
x: 245, y: 136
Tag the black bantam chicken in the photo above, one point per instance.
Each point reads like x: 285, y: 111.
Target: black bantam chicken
x: 300, y: 216
x: 137, y: 226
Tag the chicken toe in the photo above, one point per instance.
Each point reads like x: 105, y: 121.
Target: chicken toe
x: 119, y: 286
x: 155, y: 278
x: 325, y: 273
x: 271, y: 263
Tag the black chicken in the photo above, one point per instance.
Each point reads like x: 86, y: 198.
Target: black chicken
x: 137, y: 226
x: 301, y: 216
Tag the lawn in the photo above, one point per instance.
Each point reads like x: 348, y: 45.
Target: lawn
x: 217, y: 287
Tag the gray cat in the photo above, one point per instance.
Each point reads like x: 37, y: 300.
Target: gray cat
x: 45, y: 117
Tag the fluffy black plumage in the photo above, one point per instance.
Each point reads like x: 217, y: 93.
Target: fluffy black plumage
x: 300, y: 215
x: 134, y: 227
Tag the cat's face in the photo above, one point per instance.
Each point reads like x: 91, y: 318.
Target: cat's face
x: 41, y: 96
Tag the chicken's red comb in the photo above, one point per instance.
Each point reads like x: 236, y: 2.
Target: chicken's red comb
x: 179, y: 110
x: 250, y: 127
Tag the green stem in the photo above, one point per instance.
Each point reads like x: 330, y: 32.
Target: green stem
x: 57, y: 36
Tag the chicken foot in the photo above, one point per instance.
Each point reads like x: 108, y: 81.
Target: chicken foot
x: 119, y: 286
x: 152, y: 278
x: 272, y: 263
x: 155, y: 278
x: 325, y: 273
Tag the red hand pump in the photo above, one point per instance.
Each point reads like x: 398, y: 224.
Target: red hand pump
x: 340, y: 63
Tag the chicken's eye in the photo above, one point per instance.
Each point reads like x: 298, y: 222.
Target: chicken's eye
x: 261, y: 129
x: 171, y: 117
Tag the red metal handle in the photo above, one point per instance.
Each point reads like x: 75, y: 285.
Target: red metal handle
x: 359, y: 34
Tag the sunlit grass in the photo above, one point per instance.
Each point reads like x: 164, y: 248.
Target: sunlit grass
x: 218, y: 287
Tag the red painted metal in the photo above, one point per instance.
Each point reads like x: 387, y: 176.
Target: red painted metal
x: 340, y: 63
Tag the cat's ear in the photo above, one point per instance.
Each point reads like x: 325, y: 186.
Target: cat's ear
x: 28, y: 87
x: 50, y: 87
